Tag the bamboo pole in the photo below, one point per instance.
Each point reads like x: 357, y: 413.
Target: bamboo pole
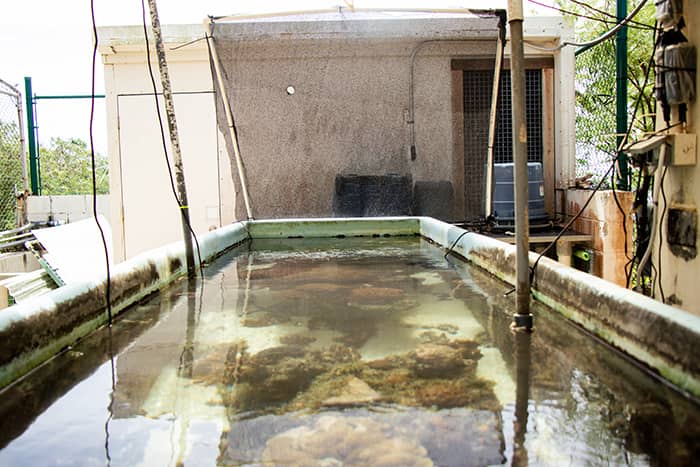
x: 488, y: 199
x: 174, y: 137
x: 229, y: 119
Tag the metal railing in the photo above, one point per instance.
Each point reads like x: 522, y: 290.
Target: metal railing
x: 13, y: 166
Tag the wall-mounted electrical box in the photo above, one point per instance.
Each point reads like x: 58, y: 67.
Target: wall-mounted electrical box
x: 683, y: 148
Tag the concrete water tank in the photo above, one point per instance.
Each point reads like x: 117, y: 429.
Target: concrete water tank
x: 503, y: 201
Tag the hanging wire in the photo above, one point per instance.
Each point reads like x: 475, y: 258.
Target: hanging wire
x: 596, y: 41
x: 632, y: 24
x: 533, y: 269
x: 108, y: 288
x: 639, y: 24
x: 162, y: 133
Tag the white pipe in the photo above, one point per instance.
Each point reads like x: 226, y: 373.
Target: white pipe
x: 411, y: 84
x: 488, y: 201
x: 229, y: 120
x: 353, y: 10
x: 655, y: 216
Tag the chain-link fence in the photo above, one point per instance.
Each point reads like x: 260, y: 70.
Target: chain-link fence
x: 596, y: 101
x: 595, y: 111
x: 12, y: 158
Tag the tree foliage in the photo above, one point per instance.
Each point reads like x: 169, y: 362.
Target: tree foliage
x: 66, y: 168
x: 596, y: 80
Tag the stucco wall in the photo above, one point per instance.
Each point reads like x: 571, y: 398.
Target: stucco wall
x: 347, y: 115
x: 679, y: 276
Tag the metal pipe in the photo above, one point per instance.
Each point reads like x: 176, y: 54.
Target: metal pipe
x: 522, y: 318
x: 488, y: 199
x: 622, y: 181
x: 23, y: 146
x: 17, y: 95
x: 31, y: 136
x: 411, y: 121
x: 70, y: 96
x: 229, y: 119
x: 174, y: 137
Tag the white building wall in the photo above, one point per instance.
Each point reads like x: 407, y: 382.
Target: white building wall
x: 144, y: 213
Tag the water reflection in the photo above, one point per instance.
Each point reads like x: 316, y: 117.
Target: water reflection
x: 111, y: 393
x: 308, y: 347
x: 522, y: 397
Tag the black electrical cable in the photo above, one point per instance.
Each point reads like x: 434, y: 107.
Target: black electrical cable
x: 610, y: 15
x: 622, y: 213
x: 632, y: 24
x: 629, y: 266
x: 449, y: 250
x: 108, y: 287
x: 613, y: 180
x: 162, y: 133
x: 533, y: 269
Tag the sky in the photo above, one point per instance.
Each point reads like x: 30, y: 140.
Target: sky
x: 51, y: 41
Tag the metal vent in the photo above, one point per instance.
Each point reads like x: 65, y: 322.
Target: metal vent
x: 477, y: 103
x: 503, y: 147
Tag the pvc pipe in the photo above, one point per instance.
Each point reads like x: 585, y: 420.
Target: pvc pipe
x: 229, y: 118
x: 652, y: 234
x: 488, y: 200
x: 353, y: 10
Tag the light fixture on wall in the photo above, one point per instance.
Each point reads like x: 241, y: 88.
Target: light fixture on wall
x: 290, y: 90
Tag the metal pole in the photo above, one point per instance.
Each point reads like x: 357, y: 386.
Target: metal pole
x: 522, y: 318
x: 31, y: 136
x: 22, y: 141
x: 621, y: 86
x: 229, y: 120
x: 174, y: 137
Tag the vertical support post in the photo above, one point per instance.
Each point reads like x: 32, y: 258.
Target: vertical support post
x: 31, y: 136
x: 522, y: 318
x: 229, y: 118
x: 500, y: 50
x: 174, y: 137
x: 622, y: 181
x: 22, y: 141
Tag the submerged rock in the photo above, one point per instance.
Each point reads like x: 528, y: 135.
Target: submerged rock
x: 375, y: 295
x: 351, y: 441
x: 260, y: 320
x: 436, y: 360
x: 297, y: 339
x: 354, y: 392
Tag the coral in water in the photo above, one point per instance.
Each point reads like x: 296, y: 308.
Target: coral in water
x: 436, y: 360
x: 349, y: 441
x: 276, y: 375
x: 300, y: 339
